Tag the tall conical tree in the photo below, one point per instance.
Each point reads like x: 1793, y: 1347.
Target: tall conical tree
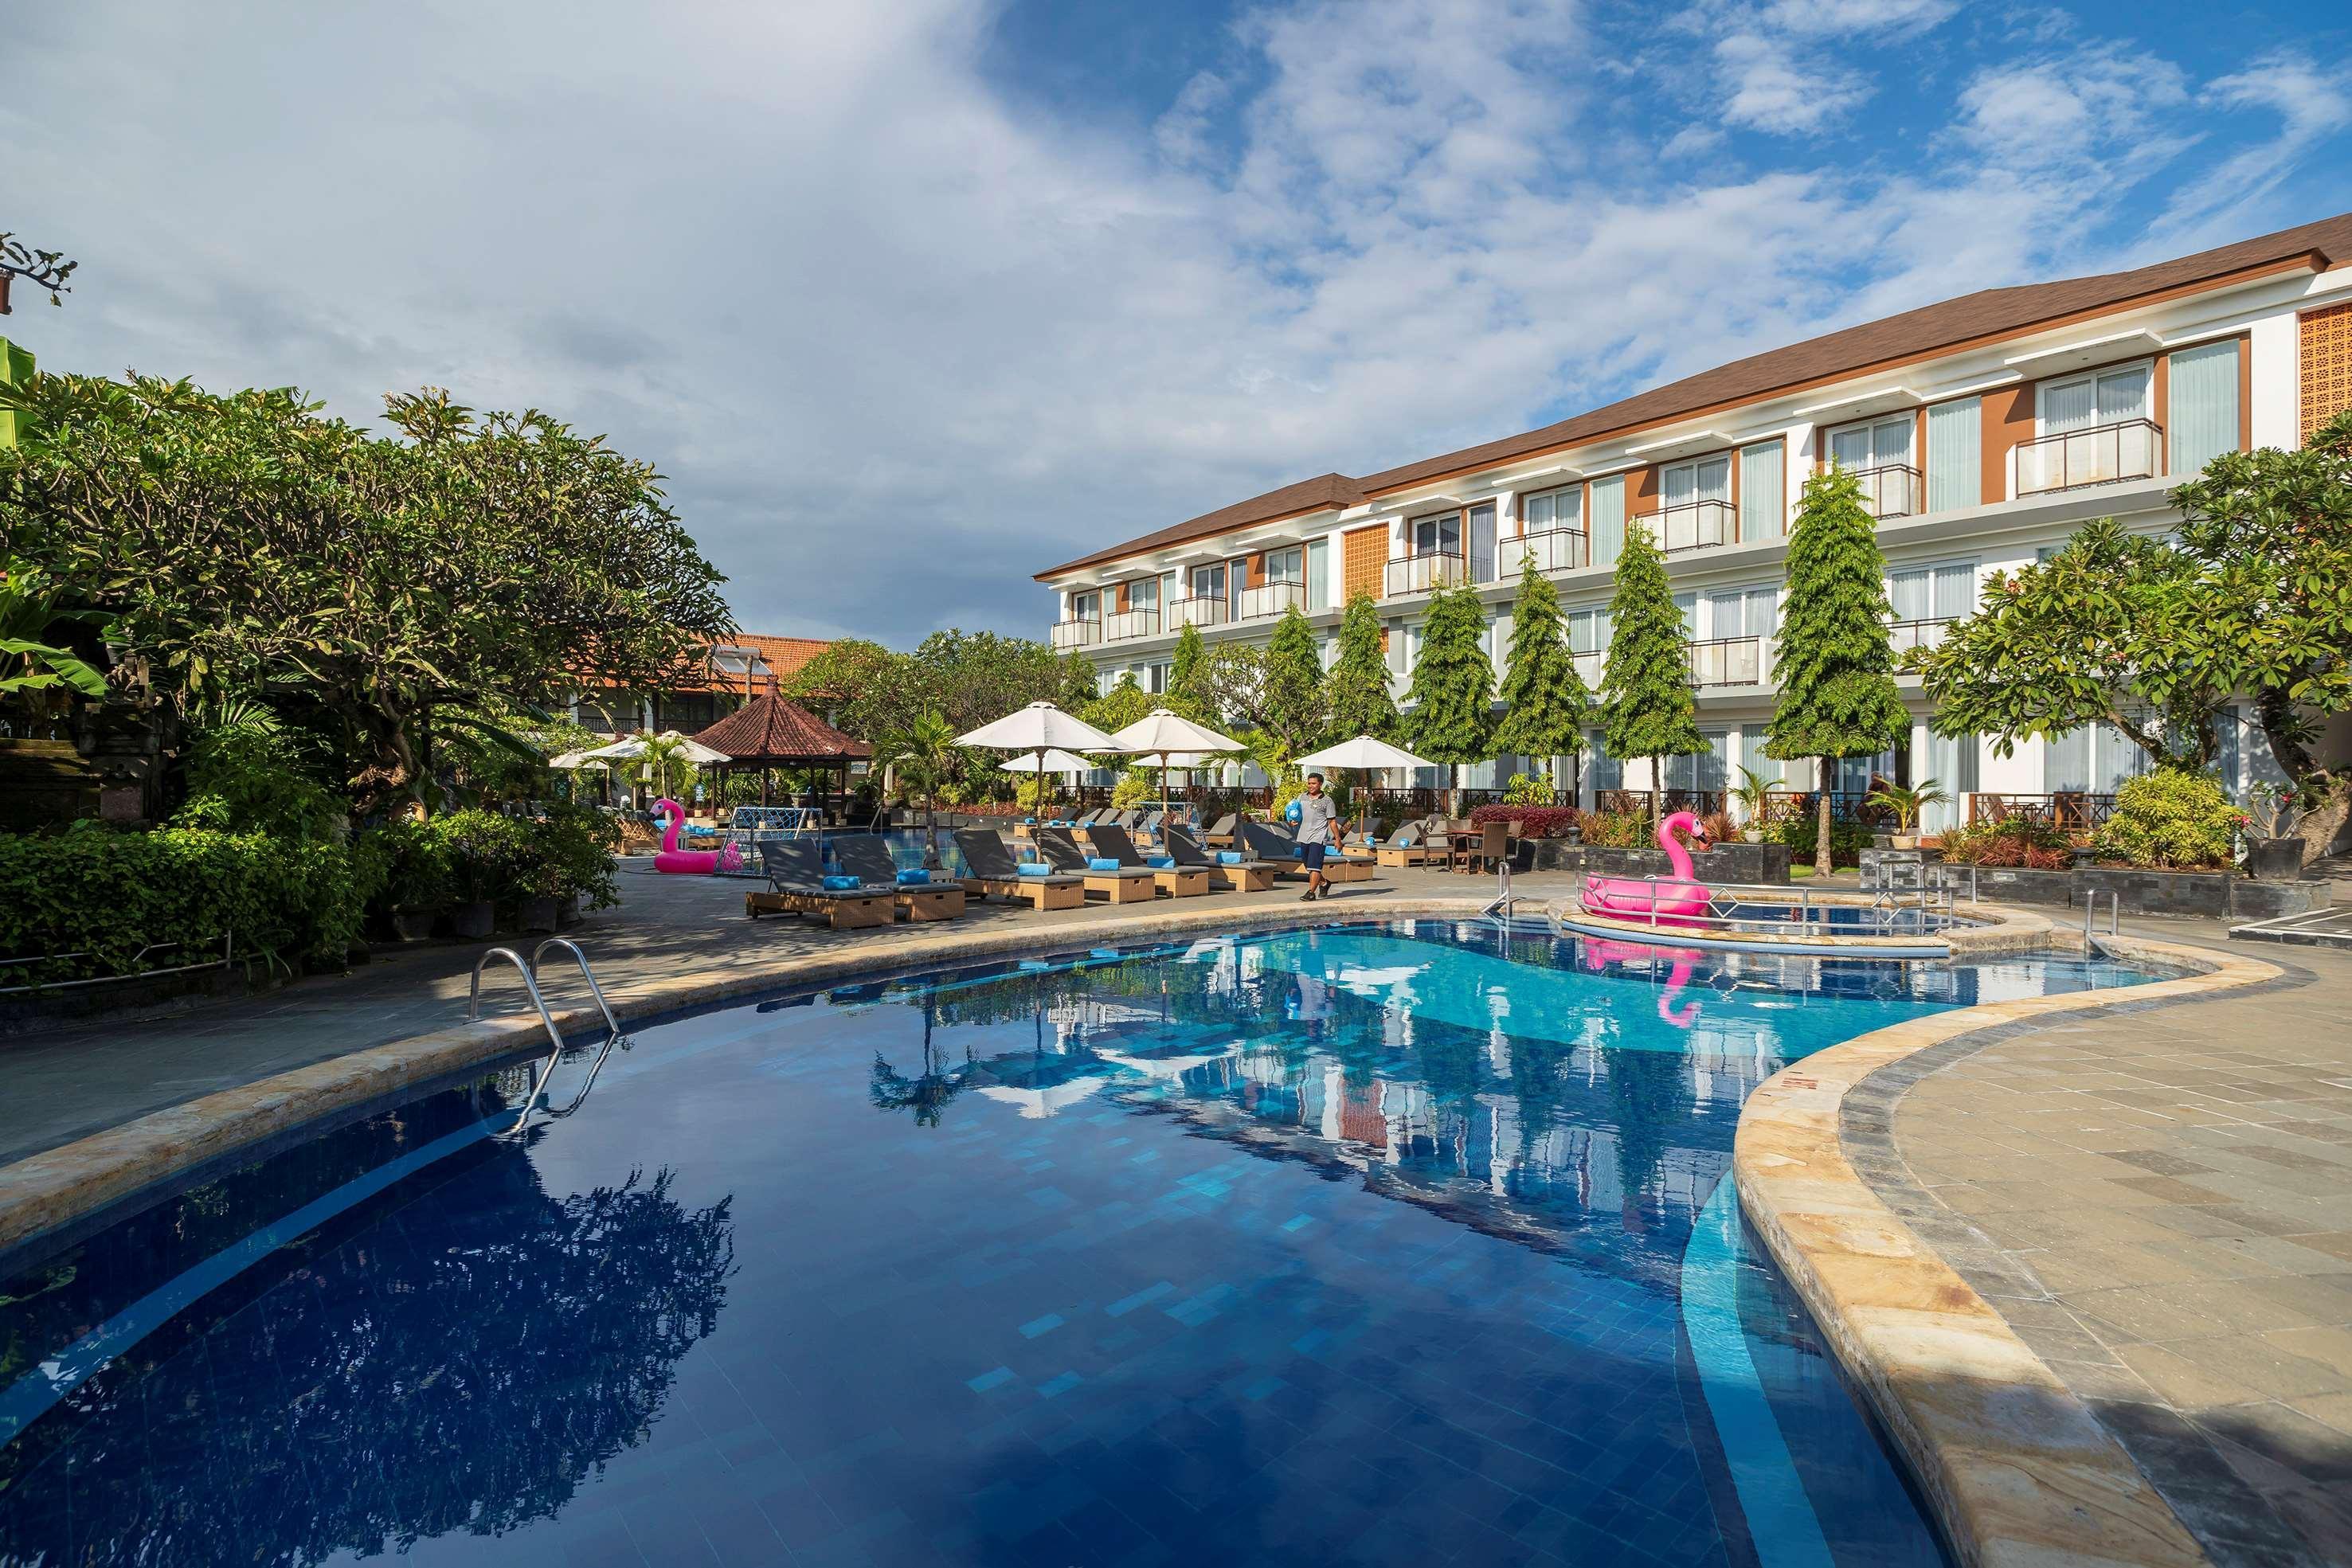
x: 1544, y: 700
x: 1295, y: 709
x: 1358, y: 686
x: 1453, y: 694
x: 1832, y: 660
x: 1647, y: 709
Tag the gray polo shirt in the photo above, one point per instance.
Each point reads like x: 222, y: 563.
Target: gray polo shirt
x: 1316, y: 813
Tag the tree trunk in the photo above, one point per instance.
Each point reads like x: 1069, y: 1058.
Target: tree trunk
x: 2326, y: 797
x: 1821, y: 858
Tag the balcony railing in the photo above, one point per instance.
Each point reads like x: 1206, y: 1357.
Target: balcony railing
x: 1589, y: 668
x: 2068, y: 811
x: 1269, y: 598
x: 1697, y: 525
x: 1905, y: 635
x: 1421, y: 573
x: 2103, y: 455
x: 1892, y: 490
x: 1658, y: 803
x: 1126, y: 626
x: 1727, y: 662
x: 1194, y: 611
x: 1555, y: 549
x: 1076, y: 633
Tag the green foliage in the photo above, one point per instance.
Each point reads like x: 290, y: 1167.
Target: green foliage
x: 1126, y: 702
x: 1079, y: 686
x: 1801, y: 833
x: 1356, y: 690
x: 1544, y: 700
x: 1647, y: 709
x: 2170, y: 817
x: 1184, y: 670
x: 2109, y: 630
x: 1832, y: 659
x: 923, y: 757
x: 569, y: 854
x: 1618, y: 830
x: 32, y: 607
x: 1906, y: 802
x: 1525, y: 789
x: 94, y: 899
x: 1295, y: 709
x: 1753, y: 795
x: 486, y: 854
x: 248, y: 774
x: 870, y: 691
x: 1452, y: 699
x: 1135, y: 786
x: 246, y: 545
x: 2008, y: 842
x: 413, y: 870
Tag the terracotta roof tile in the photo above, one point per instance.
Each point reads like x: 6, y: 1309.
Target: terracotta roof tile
x: 1853, y: 351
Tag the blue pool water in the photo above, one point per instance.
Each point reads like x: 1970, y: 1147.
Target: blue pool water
x: 1375, y: 1244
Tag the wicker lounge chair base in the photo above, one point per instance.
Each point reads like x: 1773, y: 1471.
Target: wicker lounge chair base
x: 1412, y: 855
x: 844, y: 912
x: 1252, y: 878
x: 1339, y: 871
x: 1123, y: 887
x: 934, y: 902
x: 1040, y: 893
x: 1180, y: 882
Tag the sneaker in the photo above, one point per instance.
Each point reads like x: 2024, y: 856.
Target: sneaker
x: 1307, y: 897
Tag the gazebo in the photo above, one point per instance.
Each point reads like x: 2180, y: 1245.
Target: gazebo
x: 771, y: 732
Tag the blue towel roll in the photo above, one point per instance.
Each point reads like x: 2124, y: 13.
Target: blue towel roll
x: 914, y: 876
x: 1229, y: 857
x: 842, y: 884
x: 1162, y: 863
x: 1101, y: 862
x: 1034, y: 868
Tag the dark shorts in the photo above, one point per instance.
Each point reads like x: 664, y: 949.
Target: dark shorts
x: 1311, y: 856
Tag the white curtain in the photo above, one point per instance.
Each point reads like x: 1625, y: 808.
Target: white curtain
x: 1911, y: 593
x: 1763, y: 491
x: 1319, y: 575
x: 2203, y: 420
x: 1608, y: 521
x: 1950, y: 762
x: 2068, y: 405
x: 1955, y: 453
x: 1482, y: 543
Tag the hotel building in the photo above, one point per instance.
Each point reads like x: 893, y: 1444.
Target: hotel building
x: 1984, y: 431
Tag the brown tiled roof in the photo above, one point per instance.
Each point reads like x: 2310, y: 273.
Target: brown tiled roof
x: 784, y: 657
x: 776, y: 729
x: 1855, y: 351
x: 1321, y: 493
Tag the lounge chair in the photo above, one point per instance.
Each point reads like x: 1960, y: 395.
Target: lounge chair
x: 868, y: 859
x: 1152, y: 821
x: 1176, y: 881
x: 1122, y: 886
x: 1404, y: 848
x: 1282, y: 852
x: 795, y: 871
x: 996, y: 874
x: 1220, y: 835
x: 1245, y: 875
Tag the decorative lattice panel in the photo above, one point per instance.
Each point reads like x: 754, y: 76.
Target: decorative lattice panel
x: 2326, y: 365
x: 1366, y: 553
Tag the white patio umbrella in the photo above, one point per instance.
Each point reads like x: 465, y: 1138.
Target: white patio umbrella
x: 1040, y: 727
x: 630, y: 747
x: 1164, y: 735
x: 1056, y: 761
x: 1365, y: 753
x: 571, y: 759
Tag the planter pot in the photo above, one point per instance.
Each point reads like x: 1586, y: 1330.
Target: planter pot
x: 2024, y: 885
x: 2274, y: 860
x: 567, y: 912
x: 473, y: 921
x: 1883, y: 841
x: 1903, y: 840
x: 1751, y: 835
x: 2251, y: 900
x: 536, y: 915
x: 2144, y: 891
x: 412, y: 925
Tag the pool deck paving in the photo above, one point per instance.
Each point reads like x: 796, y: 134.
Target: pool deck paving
x: 2147, y: 1209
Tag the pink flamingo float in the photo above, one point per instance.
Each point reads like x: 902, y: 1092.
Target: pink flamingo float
x: 1680, y: 901
x: 687, y: 862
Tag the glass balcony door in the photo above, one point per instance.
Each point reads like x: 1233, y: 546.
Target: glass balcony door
x: 1696, y: 502
x: 1438, y: 535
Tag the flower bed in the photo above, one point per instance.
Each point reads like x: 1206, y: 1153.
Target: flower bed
x: 1535, y: 821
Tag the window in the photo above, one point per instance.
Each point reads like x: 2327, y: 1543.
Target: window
x: 1933, y: 592
x: 1561, y: 508
x: 1763, y: 491
x: 2081, y: 402
x: 1588, y: 631
x: 1688, y: 604
x: 1286, y: 565
x: 1236, y: 579
x: 1208, y: 582
x: 1873, y: 444
x: 1155, y: 678
x: 1319, y: 576
x: 1955, y: 453
x: 1481, y: 563
x: 1143, y: 593
x: 2089, y: 760
x: 1689, y: 518
x: 1709, y: 479
x: 1740, y: 612
x: 1438, y: 535
x: 1085, y: 606
x: 1606, y: 772
x: 1951, y: 762
x: 2202, y: 422
x: 1709, y: 769
x: 1607, y: 519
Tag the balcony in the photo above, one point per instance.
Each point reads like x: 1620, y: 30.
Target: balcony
x: 2103, y: 455
x: 1194, y: 611
x: 1126, y: 626
x: 1892, y: 490
x: 1271, y: 599
x: 1069, y: 634
x: 1905, y: 635
x: 1422, y: 573
x: 1555, y: 549
x: 1727, y: 662
x: 1589, y: 669
x: 1697, y: 525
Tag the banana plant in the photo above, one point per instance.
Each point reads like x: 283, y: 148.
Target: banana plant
x: 28, y: 609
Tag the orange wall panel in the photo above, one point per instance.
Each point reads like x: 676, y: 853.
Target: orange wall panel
x: 2326, y: 366
x: 1363, y: 555
x: 2008, y: 419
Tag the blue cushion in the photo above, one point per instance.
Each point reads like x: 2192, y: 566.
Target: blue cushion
x: 1101, y: 862
x: 842, y: 884
x: 1160, y: 863
x: 1229, y: 857
x: 1032, y: 821
x: 914, y: 876
x: 1034, y: 868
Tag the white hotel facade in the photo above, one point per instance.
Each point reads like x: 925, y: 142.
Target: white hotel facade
x: 1985, y: 430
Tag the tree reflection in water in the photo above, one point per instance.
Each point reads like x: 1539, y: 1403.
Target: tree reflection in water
x: 384, y: 1392
x: 929, y: 1093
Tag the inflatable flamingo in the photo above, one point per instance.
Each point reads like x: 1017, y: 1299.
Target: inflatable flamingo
x: 1680, y: 899
x: 686, y: 862
x: 1600, y: 952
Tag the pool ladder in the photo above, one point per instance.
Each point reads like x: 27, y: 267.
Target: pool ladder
x: 529, y: 972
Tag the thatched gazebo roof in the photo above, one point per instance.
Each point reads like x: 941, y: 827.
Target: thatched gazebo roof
x: 771, y: 731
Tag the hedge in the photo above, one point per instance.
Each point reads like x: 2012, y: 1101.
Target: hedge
x: 106, y: 894
x: 1535, y: 821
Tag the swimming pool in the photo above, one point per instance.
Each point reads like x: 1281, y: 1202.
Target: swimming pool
x: 1367, y: 1243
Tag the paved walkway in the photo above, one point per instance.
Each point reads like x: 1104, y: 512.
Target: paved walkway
x: 2160, y: 1203
x: 65, y: 1084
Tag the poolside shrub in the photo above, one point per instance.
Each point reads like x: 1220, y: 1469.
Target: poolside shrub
x: 487, y: 853
x: 1801, y: 833
x: 2170, y: 818
x: 2008, y: 842
x: 91, y: 900
x: 1544, y: 822
x: 1619, y: 829
x: 571, y: 853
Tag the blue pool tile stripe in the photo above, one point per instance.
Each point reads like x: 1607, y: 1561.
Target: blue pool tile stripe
x: 1780, y: 1518
x: 34, y: 1395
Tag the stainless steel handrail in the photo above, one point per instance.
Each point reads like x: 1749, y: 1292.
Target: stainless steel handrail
x: 587, y: 974
x: 529, y: 973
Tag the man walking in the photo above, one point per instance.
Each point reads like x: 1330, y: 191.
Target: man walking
x: 1316, y: 814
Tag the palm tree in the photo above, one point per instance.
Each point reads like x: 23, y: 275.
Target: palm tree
x: 662, y: 754
x: 1906, y: 805
x: 925, y: 758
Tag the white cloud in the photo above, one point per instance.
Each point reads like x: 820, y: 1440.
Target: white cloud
x: 1788, y: 66
x: 2313, y: 104
x: 899, y: 342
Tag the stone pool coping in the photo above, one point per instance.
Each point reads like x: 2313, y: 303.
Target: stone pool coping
x: 2005, y: 1489
x: 2014, y: 1465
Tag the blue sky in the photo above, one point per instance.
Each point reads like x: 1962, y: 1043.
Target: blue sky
x: 912, y: 299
